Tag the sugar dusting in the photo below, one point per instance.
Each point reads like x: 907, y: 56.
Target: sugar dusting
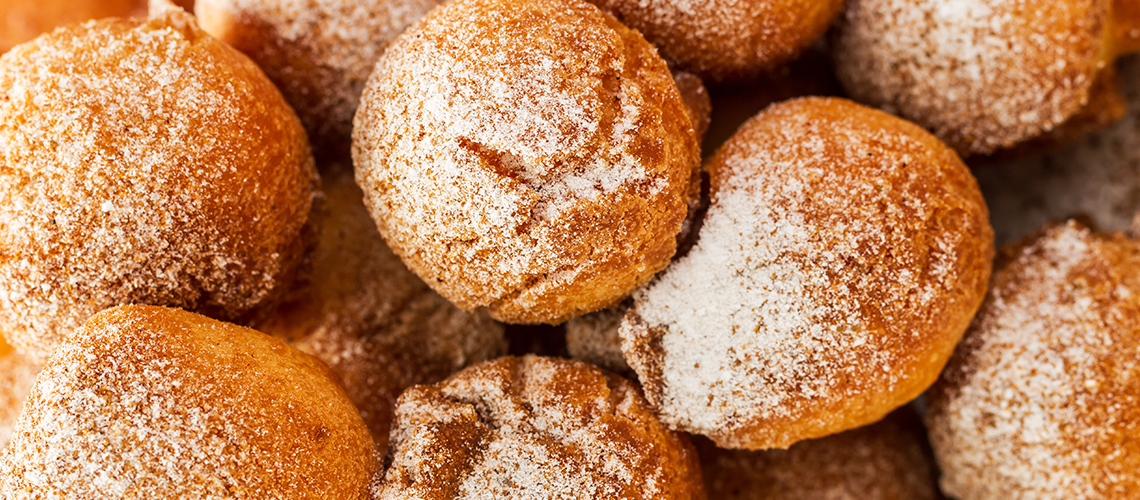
x: 535, y: 428
x: 375, y: 323
x: 319, y: 52
x: 126, y: 182
x: 981, y: 74
x: 138, y: 404
x: 792, y: 299
x: 1040, y: 399
x: 490, y: 130
x: 726, y: 40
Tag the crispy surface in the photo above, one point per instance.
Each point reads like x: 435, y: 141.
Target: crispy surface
x: 888, y: 460
x: 1042, y: 398
x: 144, y: 162
x: 318, y: 52
x: 832, y: 277
x: 535, y: 428
x: 982, y: 75
x: 727, y: 40
x: 148, y: 402
x: 376, y: 325
x: 534, y: 158
x: 17, y: 374
x: 23, y: 20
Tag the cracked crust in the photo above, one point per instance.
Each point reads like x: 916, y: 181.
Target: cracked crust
x: 534, y: 158
x: 535, y: 427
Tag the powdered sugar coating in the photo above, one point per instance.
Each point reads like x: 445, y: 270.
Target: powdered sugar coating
x: 145, y: 402
x: 535, y: 428
x: 145, y: 162
x: 842, y: 256
x: 981, y: 74
x: 23, y: 20
x: 318, y: 52
x: 531, y: 157
x: 727, y: 40
x: 1042, y: 398
x: 17, y: 374
x: 377, y: 325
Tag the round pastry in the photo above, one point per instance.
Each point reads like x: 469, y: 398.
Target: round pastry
x: 889, y: 460
x: 145, y: 163
x: 373, y: 322
x: 727, y: 40
x: 533, y: 157
x: 843, y: 254
x: 23, y: 20
x: 17, y: 374
x: 318, y: 53
x: 535, y: 427
x: 150, y: 402
x: 981, y: 74
x: 1042, y: 398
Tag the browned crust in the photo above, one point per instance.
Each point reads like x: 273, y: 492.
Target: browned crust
x: 888, y: 460
x: 727, y: 41
x: 196, y: 187
x: 931, y: 224
x: 318, y: 53
x: 150, y: 402
x: 982, y: 77
x: 506, y: 233
x: 1040, y: 400
x: 24, y: 20
x: 553, y: 426
x: 378, y: 326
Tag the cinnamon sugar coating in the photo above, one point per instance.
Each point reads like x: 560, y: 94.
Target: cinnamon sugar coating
x: 1042, y: 398
x: 145, y: 162
x: 23, y: 20
x: 318, y: 52
x: 17, y: 374
x: 531, y: 157
x: 373, y: 322
x: 888, y: 460
x: 535, y: 428
x: 843, y: 254
x: 146, y: 402
x: 727, y: 41
x: 981, y: 74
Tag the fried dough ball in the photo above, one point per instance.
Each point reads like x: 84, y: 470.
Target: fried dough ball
x: 23, y: 20
x: 377, y: 325
x: 148, y: 402
x: 319, y: 53
x: 1042, y: 398
x: 531, y: 157
x: 17, y: 374
x: 535, y: 427
x: 727, y: 41
x: 888, y: 460
x: 981, y: 74
x: 843, y: 254
x: 145, y: 163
